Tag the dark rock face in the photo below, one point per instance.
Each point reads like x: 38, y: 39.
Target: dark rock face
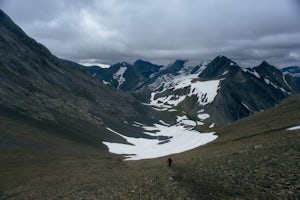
x: 242, y: 92
x: 37, y: 85
x: 220, y: 67
x: 245, y: 91
x: 135, y: 76
x: 124, y: 76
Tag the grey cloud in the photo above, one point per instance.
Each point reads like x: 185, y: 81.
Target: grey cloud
x: 162, y: 31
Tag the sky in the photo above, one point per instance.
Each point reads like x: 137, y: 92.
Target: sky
x: 161, y: 31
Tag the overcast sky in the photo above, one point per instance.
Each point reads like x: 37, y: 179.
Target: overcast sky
x: 109, y: 31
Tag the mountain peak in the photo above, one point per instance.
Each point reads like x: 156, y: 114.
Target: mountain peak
x: 139, y: 62
x: 264, y: 63
x: 175, y: 67
x: 266, y: 66
x: 220, y: 66
x: 3, y: 15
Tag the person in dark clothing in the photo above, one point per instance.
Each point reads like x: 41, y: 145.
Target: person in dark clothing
x: 169, y: 161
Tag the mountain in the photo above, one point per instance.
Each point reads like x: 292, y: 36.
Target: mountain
x: 124, y: 76
x: 294, y: 71
x: 54, y: 119
x: 89, y: 105
x: 243, y: 92
x: 219, y: 92
x: 50, y: 92
x: 60, y: 101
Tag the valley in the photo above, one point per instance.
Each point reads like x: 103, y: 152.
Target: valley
x: 73, y: 132
x: 249, y: 160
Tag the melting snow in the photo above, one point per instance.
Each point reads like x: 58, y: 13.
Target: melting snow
x: 105, y: 82
x: 224, y: 73
x: 203, y: 116
x: 119, y: 75
x: 267, y: 81
x: 293, y: 128
x: 245, y: 105
x: 181, y: 136
x: 283, y: 77
x: 180, y: 139
x: 252, y: 71
x: 206, y: 91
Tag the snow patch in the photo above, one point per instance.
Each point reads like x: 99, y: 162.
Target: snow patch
x: 203, y: 116
x: 252, y: 71
x: 119, y: 75
x: 205, y: 91
x: 179, y: 139
x: 293, y: 128
x: 224, y: 73
x: 105, y: 82
x: 283, y: 77
x: 267, y: 81
x: 246, y: 106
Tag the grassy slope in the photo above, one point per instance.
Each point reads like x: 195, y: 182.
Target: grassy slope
x: 254, y: 158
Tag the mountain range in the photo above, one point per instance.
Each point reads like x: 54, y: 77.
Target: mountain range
x: 60, y: 122
x: 125, y: 101
x: 236, y: 92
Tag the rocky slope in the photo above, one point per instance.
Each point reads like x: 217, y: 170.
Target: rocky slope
x: 254, y: 158
x: 124, y: 76
x: 37, y: 85
x: 245, y: 91
x: 218, y: 93
x: 214, y: 93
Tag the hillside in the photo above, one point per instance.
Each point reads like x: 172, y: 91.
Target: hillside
x: 57, y: 125
x: 50, y: 92
x: 254, y: 158
x: 220, y: 90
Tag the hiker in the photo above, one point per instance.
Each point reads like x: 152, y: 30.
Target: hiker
x: 169, y: 161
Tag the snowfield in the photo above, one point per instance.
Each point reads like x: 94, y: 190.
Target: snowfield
x: 180, y: 139
x: 206, y: 91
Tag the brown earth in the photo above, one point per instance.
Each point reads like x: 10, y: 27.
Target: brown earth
x: 254, y: 158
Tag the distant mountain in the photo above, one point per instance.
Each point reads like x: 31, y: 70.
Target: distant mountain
x: 295, y: 72
x: 243, y: 92
x: 41, y: 88
x: 125, y: 76
x: 219, y: 92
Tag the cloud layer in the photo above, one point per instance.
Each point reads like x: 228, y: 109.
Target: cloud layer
x: 109, y: 31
